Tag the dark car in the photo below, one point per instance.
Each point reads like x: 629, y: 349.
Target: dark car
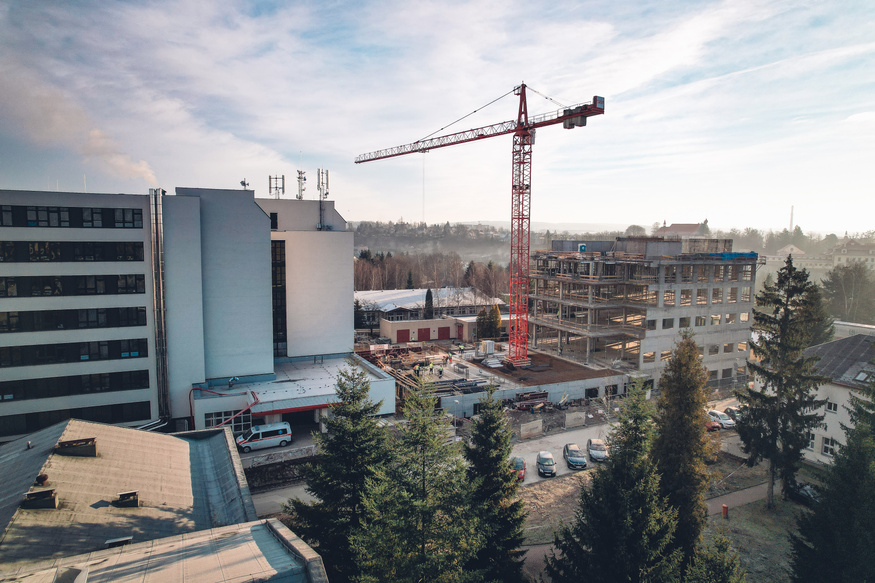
x: 518, y: 465
x: 574, y: 456
x: 598, y: 451
x: 735, y: 413
x: 804, y: 493
x: 546, y: 464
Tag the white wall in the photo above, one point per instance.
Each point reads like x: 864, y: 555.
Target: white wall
x: 302, y: 215
x: 183, y: 299
x: 319, y: 291
x: 236, y: 283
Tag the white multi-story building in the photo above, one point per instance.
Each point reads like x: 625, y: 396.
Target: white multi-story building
x: 187, y: 309
x: 77, y: 325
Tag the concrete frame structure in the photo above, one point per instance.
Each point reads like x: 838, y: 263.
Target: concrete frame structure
x: 621, y: 304
x: 77, y: 325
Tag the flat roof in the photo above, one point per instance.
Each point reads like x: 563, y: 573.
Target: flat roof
x: 262, y: 550
x: 184, y: 484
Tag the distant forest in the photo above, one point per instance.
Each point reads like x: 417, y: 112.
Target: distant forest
x: 416, y: 255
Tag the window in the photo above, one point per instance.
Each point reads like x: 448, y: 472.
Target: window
x: 810, y: 439
x: 6, y: 215
x: 747, y: 273
x: 668, y: 297
x: 744, y: 317
x: 742, y: 346
x: 712, y: 375
x: 732, y: 296
x: 701, y: 349
x: 713, y: 349
x: 238, y: 424
x: 730, y: 318
x: 734, y: 273
x: 92, y: 218
x: 729, y: 347
x: 717, y: 295
x: 745, y: 294
x: 671, y: 273
x: 649, y: 357
x: 667, y: 323
x: 727, y: 373
x: 128, y: 218
x: 651, y: 324
x: 686, y: 297
x: 274, y: 221
x: 832, y: 407
x: 741, y: 370
x: 665, y: 355
x: 715, y: 319
x: 719, y: 271
x: 829, y: 446
x: 686, y: 273
x: 701, y: 297
x: 684, y: 322
x: 700, y: 320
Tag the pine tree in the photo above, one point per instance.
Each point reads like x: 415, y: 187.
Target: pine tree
x: 428, y: 312
x: 623, y: 528
x: 681, y: 445
x: 715, y: 563
x: 353, y: 450
x: 410, y: 280
x: 483, y: 324
x: 783, y: 411
x: 836, y: 540
x: 418, y: 525
x: 501, y: 514
x: 817, y: 324
x: 495, y: 322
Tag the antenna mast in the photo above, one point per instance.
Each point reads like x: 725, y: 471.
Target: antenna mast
x: 302, y: 178
x: 276, y: 185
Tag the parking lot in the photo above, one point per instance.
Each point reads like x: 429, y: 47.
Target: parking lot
x: 554, y: 442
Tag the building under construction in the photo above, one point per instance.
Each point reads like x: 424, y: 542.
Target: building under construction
x: 622, y: 304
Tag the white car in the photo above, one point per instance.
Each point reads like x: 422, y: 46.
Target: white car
x: 724, y: 420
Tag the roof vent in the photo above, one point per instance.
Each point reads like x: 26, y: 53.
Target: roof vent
x: 129, y: 499
x: 118, y: 542
x: 86, y: 447
x: 47, y: 498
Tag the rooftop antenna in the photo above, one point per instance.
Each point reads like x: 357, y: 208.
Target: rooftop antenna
x: 302, y: 178
x: 276, y: 185
x: 322, y: 189
x: 244, y: 184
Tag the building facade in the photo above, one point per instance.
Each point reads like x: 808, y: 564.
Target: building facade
x: 77, y: 324
x: 622, y: 304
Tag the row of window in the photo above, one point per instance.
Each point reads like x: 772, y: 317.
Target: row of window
x: 67, y: 251
x: 118, y: 413
x: 828, y: 447
x: 38, y: 354
x: 278, y: 272
x: 74, y: 217
x: 238, y: 425
x: 49, y: 388
x: 717, y: 296
x: 699, y: 321
x: 713, y: 350
x: 43, y: 320
x: 705, y: 273
x: 71, y: 285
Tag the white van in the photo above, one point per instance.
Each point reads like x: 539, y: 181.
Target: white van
x: 262, y: 436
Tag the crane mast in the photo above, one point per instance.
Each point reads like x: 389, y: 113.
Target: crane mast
x: 523, y: 130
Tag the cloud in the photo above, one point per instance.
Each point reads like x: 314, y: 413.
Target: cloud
x: 101, y: 147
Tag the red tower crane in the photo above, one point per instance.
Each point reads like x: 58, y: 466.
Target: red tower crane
x: 523, y: 130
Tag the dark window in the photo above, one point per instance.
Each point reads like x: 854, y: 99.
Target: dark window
x: 65, y: 251
x: 273, y: 222
x: 13, y: 356
x: 119, y: 413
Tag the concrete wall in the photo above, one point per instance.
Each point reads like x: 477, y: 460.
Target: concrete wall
x: 832, y: 421
x: 302, y: 215
x: 236, y: 283
x: 319, y: 291
x: 183, y: 299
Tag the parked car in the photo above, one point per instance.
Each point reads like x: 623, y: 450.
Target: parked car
x: 546, y: 464
x: 735, y: 413
x: 711, y: 425
x: 574, y: 456
x: 598, y: 451
x: 262, y: 436
x: 724, y: 420
x: 518, y: 465
x: 804, y: 493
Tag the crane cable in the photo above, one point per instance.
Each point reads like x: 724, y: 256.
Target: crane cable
x: 468, y: 115
x: 545, y: 97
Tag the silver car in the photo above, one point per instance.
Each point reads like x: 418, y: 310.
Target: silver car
x: 598, y: 451
x: 724, y: 420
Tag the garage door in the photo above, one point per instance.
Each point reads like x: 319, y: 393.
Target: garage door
x: 444, y: 333
x: 403, y: 336
x: 423, y: 334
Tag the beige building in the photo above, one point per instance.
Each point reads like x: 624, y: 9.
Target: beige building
x: 853, y: 251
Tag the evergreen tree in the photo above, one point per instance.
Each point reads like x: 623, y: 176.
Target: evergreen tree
x: 681, y: 445
x: 353, y: 451
x: 410, y: 280
x: 623, y: 528
x: 715, y: 563
x: 836, y: 540
x: 817, y: 325
x: 783, y: 411
x: 849, y: 291
x: 358, y: 315
x: 483, y: 326
x: 418, y: 525
x: 501, y: 514
x: 495, y: 322
x: 428, y: 313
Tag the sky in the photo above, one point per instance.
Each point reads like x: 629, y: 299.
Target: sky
x: 735, y: 111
